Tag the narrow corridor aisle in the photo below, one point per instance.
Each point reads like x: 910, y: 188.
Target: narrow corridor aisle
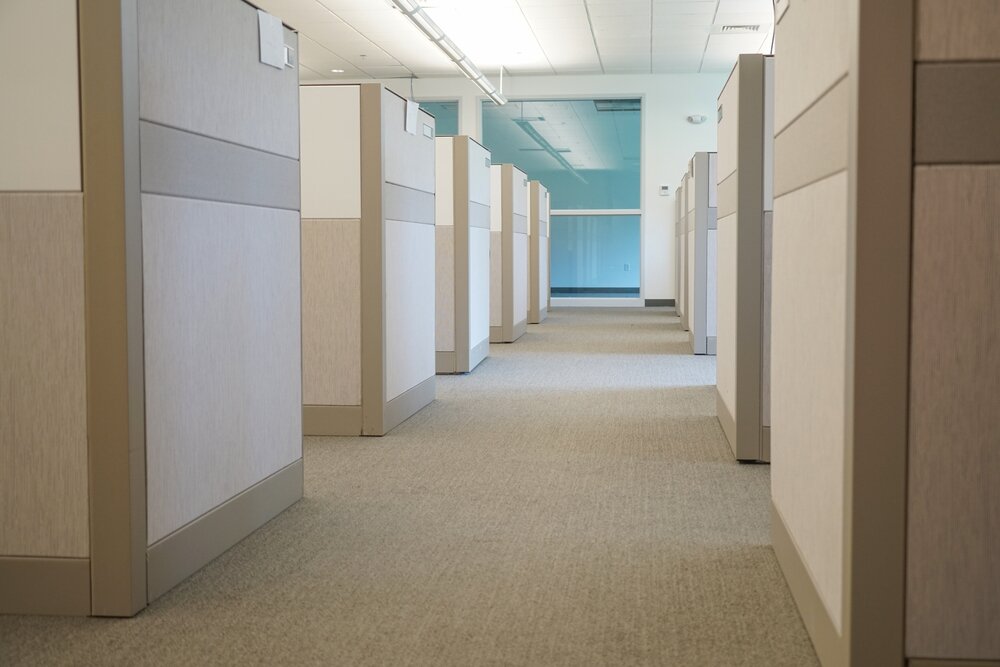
x: 571, y: 502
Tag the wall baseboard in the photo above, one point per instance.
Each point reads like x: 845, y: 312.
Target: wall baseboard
x: 947, y: 662
x: 185, y: 551
x: 44, y: 586
x: 830, y: 645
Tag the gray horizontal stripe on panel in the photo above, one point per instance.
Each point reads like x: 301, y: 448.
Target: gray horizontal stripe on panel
x: 479, y: 215
x: 520, y: 224
x: 543, y: 228
x: 713, y: 218
x: 407, y: 205
x: 728, y: 195
x: 182, y: 164
x: 815, y: 144
x: 955, y: 113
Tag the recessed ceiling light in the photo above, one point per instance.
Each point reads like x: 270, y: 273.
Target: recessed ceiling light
x: 337, y: 71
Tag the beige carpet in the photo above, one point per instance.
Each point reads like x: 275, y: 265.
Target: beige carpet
x: 571, y: 502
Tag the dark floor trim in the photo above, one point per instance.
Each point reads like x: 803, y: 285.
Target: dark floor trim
x: 946, y: 662
x: 185, y: 551
x: 45, y: 586
x: 446, y: 363
x: 660, y: 303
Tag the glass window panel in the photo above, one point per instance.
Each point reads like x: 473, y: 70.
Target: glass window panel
x: 586, y: 152
x: 595, y: 256
x: 445, y: 116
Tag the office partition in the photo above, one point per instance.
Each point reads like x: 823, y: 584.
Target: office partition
x: 462, y: 222
x: 681, y: 241
x: 508, y: 253
x: 368, y: 242
x: 745, y: 177
x: 151, y: 277
x: 700, y: 266
x: 538, y: 251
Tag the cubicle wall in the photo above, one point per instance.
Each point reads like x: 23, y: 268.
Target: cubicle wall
x: 700, y: 267
x: 745, y: 167
x: 463, y: 254
x: 508, y: 253
x: 682, y: 252
x: 885, y: 474
x: 156, y: 404
x: 368, y: 242
x: 538, y: 249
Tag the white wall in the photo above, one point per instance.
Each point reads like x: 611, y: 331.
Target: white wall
x: 669, y: 140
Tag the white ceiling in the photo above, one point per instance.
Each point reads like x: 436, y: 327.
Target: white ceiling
x: 370, y: 38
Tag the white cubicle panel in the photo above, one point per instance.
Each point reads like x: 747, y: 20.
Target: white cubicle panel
x: 700, y: 267
x: 462, y: 226
x: 368, y: 248
x: 744, y: 201
x: 538, y: 249
x: 508, y: 253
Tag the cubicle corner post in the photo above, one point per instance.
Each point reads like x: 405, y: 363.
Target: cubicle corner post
x: 750, y: 243
x: 373, y: 376
x: 460, y: 204
x: 879, y: 244
x: 114, y: 320
x: 507, y: 252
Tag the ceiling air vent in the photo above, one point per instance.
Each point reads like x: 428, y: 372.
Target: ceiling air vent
x: 618, y: 105
x: 737, y: 29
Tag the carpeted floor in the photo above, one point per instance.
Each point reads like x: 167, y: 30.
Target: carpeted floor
x: 571, y: 502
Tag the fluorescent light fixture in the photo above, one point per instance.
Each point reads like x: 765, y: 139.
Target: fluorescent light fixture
x: 554, y: 152
x: 337, y: 71
x: 426, y: 25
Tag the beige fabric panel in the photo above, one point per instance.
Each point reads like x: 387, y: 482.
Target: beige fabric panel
x: 520, y: 283
x: 953, y: 534
x: 815, y: 145
x: 813, y: 50
x: 330, y: 118
x: 217, y: 40
x: 43, y: 403
x: 444, y: 173
x: 728, y: 194
x: 444, y: 304
x: 808, y: 380
x: 331, y: 312
x: 728, y: 137
x: 725, y: 311
x: 496, y: 279
x: 223, y: 353
x: 40, y: 112
x: 957, y: 30
x: 406, y: 156
x: 409, y: 306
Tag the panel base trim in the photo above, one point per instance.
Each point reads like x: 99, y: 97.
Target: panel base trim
x: 948, y: 662
x: 660, y: 303
x: 478, y: 353
x: 44, y: 586
x: 712, y: 344
x: 446, y: 363
x: 185, y: 551
x: 537, y: 316
x: 407, y: 404
x: 725, y: 420
x: 331, y: 420
x: 830, y: 646
x: 765, y: 444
